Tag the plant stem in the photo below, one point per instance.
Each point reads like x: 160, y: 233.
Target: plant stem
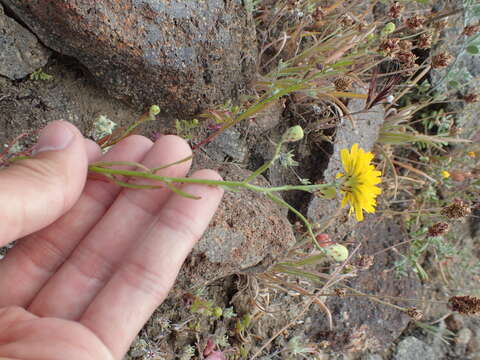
x: 265, y: 166
x: 224, y: 183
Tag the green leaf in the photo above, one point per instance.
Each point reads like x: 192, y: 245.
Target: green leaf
x: 454, y: 84
x: 473, y: 50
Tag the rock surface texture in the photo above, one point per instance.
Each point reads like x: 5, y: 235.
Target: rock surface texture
x: 183, y: 55
x: 359, y: 323
x: 20, y: 51
x: 246, y: 230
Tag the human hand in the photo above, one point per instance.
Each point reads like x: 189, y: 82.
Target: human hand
x: 95, y: 260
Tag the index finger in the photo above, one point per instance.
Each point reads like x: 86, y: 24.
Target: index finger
x: 143, y: 280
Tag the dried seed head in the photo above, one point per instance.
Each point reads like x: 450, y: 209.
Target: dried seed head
x: 346, y: 20
x: 340, y: 292
x: 318, y: 13
x: 292, y: 4
x: 441, y: 60
x: 468, y: 305
x: 406, y: 45
x: 438, y: 229
x: 414, y: 313
x: 343, y: 83
x: 471, y: 30
x: 471, y: 98
x: 440, y: 24
x: 406, y: 57
x: 395, y: 10
x: 324, y: 344
x: 415, y: 22
x: 424, y: 41
x: 456, y: 210
x: 364, y: 262
x: 389, y: 46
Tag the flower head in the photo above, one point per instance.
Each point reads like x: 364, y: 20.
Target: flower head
x: 359, y: 181
x: 445, y: 174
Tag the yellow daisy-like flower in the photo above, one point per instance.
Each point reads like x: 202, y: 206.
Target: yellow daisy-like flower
x: 445, y: 174
x: 359, y: 181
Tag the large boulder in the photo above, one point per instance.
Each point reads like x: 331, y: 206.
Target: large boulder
x: 20, y: 51
x: 184, y: 55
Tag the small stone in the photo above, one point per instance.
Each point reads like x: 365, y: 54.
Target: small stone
x: 228, y: 144
x: 464, y: 336
x: 373, y: 357
x: 454, y: 322
x: 20, y: 52
x: 412, y: 348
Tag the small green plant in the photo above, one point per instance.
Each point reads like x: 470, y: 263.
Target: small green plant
x: 184, y: 128
x: 103, y: 127
x: 188, y: 352
x: 40, y: 75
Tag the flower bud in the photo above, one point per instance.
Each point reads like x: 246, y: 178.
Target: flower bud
x: 293, y: 134
x: 217, y: 311
x: 389, y: 28
x: 337, y: 252
x: 154, y: 110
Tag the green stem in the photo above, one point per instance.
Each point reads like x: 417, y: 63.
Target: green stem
x: 268, y: 191
x: 224, y: 183
x: 265, y: 166
x: 282, y: 202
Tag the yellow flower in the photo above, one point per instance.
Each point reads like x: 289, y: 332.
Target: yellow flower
x: 472, y: 154
x: 360, y: 180
x: 445, y: 174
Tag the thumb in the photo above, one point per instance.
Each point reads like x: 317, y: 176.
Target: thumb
x: 35, y: 192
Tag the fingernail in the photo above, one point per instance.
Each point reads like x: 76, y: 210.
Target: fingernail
x: 55, y: 136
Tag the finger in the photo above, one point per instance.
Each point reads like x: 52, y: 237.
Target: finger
x: 94, y: 153
x: 36, y: 191
x: 94, y: 260
x: 25, y: 336
x: 144, y: 278
x: 34, y: 259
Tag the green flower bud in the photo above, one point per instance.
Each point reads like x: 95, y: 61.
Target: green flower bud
x: 154, y: 110
x: 337, y: 252
x: 388, y: 29
x: 217, y: 312
x: 295, y: 133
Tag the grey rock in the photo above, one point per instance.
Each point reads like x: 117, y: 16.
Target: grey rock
x: 184, y: 55
x: 372, y: 357
x: 269, y: 117
x: 412, y: 348
x: 463, y: 338
x: 360, y: 324
x: 20, y: 51
x: 228, y: 144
